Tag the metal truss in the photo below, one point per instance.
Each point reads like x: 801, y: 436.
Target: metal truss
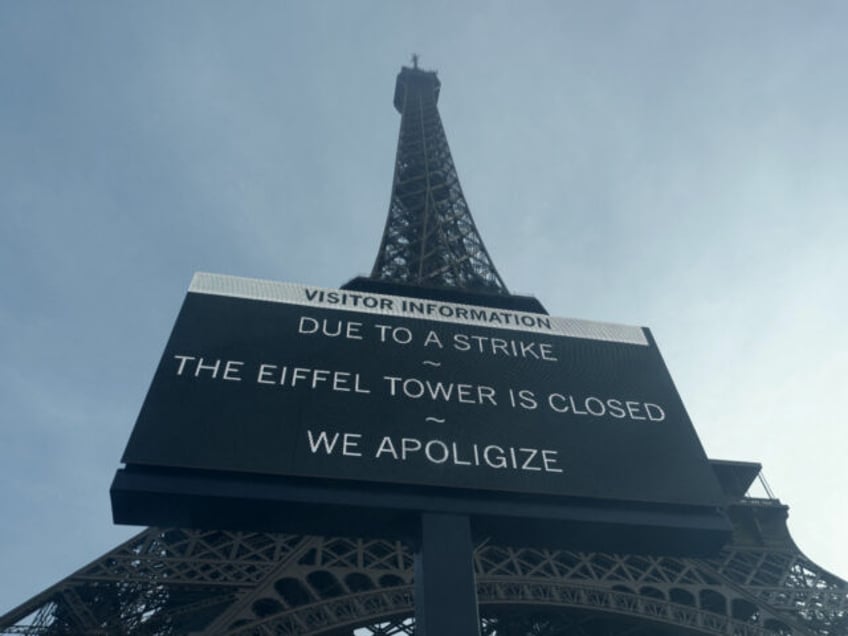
x: 170, y: 581
x: 430, y: 238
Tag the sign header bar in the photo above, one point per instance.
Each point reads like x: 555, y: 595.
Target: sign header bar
x: 404, y: 307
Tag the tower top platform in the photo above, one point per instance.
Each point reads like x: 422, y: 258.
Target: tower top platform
x: 415, y: 80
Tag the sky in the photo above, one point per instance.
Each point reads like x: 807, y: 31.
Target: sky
x: 674, y: 164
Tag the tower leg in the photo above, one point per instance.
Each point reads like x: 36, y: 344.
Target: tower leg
x: 445, y: 588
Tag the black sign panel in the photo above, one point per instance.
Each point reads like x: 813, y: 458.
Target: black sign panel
x: 276, y: 379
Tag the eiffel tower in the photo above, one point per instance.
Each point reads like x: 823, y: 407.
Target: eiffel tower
x: 192, y: 581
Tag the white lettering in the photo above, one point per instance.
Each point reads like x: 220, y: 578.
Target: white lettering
x: 443, y: 449
x: 655, y: 412
x: 232, y: 369
x: 633, y: 410
x: 331, y: 329
x: 207, y: 367
x: 549, y: 461
x: 386, y: 446
x: 409, y: 445
x: 183, y: 360
x: 433, y: 338
x: 415, y: 389
x: 350, y: 442
x: 322, y: 440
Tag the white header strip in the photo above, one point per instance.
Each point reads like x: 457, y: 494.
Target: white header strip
x: 403, y: 307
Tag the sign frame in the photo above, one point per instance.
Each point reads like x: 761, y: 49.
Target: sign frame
x: 170, y: 493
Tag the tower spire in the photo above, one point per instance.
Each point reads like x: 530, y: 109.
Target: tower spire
x: 430, y: 239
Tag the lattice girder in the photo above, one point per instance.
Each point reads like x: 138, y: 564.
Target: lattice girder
x: 183, y: 581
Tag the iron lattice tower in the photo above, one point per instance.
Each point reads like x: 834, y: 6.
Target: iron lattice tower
x: 188, y: 581
x: 430, y: 239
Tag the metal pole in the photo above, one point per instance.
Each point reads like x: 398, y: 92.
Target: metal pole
x: 445, y: 586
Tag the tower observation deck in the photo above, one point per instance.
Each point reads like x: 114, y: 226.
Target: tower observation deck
x: 220, y: 581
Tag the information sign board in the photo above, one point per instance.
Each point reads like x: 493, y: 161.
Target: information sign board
x: 280, y: 379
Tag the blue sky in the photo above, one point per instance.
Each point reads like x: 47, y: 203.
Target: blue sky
x: 680, y: 165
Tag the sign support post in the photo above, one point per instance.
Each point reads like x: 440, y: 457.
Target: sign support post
x: 445, y: 585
